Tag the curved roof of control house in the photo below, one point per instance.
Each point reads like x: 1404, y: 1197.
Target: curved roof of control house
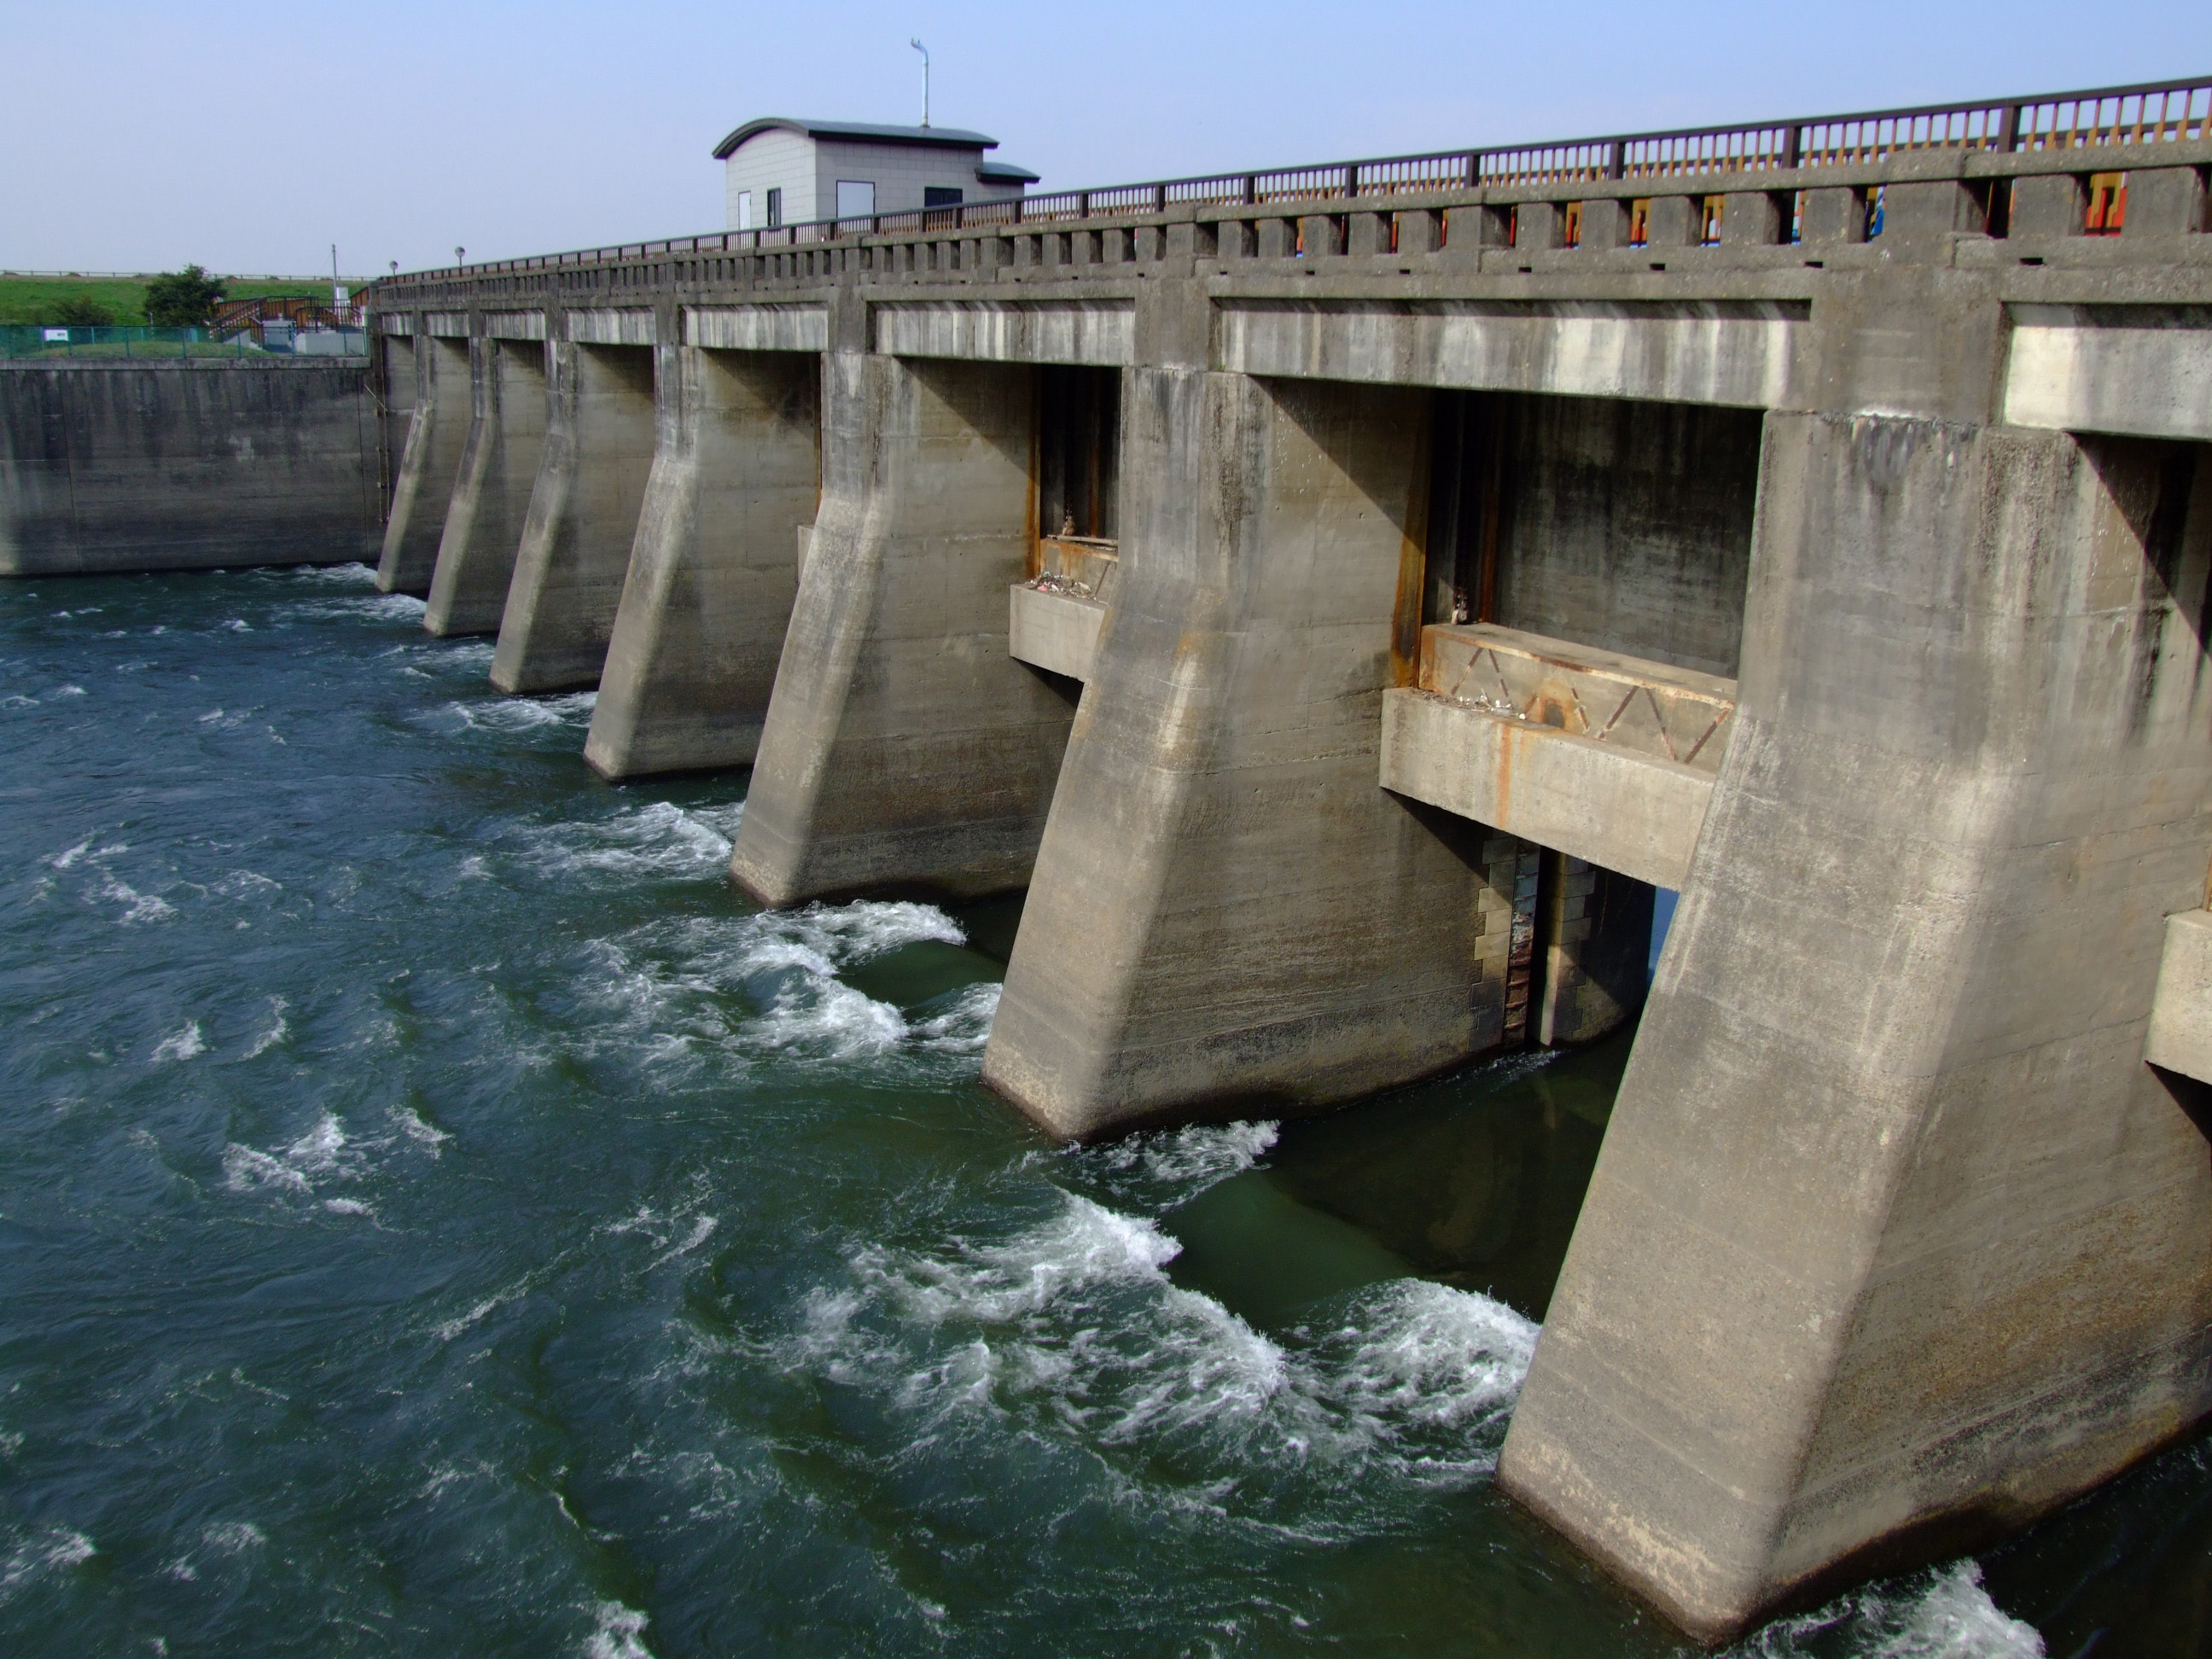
x: 864, y: 132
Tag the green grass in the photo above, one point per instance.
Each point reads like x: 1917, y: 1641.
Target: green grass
x: 32, y: 300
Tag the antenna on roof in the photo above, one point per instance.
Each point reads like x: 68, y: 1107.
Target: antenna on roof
x: 924, y: 50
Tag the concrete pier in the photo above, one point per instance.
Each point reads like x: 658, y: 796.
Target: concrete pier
x: 904, y: 746
x: 1263, y: 928
x: 573, y: 555
x: 1904, y: 1107
x: 440, y: 404
x: 491, y: 495
x: 713, y: 572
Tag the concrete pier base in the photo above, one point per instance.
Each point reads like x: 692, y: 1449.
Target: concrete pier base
x: 423, y: 486
x: 903, y: 747
x: 1228, y: 917
x: 491, y: 500
x: 713, y: 573
x: 1896, y: 1241
x: 575, y: 545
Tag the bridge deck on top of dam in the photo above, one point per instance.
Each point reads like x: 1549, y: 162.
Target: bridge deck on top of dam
x: 1344, y: 597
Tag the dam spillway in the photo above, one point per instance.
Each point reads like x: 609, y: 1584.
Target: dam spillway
x: 1825, y: 539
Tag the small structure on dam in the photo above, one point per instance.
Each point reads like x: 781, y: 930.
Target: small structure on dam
x: 1345, y: 596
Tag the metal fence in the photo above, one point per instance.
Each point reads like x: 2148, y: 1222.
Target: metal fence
x: 277, y: 341
x: 2162, y: 112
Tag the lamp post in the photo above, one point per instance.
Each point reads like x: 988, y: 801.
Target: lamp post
x: 924, y: 50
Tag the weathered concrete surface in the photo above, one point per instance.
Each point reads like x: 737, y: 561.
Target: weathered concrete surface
x: 184, y: 464
x: 692, y: 659
x: 2138, y: 368
x: 438, y: 421
x: 903, y: 745
x: 1630, y: 702
x: 1626, y: 525
x: 491, y: 499
x: 574, y: 552
x: 1895, y: 1241
x: 1709, y: 352
x: 1058, y: 632
x: 1620, y: 807
x: 1227, y: 914
x: 2180, y: 1034
x: 1102, y: 333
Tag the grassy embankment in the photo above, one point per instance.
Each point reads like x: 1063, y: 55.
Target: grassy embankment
x: 30, y: 299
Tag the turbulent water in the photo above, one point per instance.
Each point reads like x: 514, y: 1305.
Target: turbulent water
x: 438, y: 1217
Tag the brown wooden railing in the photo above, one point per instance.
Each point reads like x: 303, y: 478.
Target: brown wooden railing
x: 2160, y: 112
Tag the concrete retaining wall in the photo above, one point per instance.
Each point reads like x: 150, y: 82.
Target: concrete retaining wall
x: 186, y: 465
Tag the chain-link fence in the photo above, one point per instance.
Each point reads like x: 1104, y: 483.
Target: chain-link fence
x: 270, y: 342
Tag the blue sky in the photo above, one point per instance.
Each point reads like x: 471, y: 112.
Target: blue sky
x: 136, y: 136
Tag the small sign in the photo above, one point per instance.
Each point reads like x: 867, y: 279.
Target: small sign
x: 339, y: 295
x: 61, y: 334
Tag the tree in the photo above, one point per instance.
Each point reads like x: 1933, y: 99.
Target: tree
x: 182, y: 298
x: 82, y: 311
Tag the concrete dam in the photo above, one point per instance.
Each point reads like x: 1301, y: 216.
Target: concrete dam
x: 1347, y: 599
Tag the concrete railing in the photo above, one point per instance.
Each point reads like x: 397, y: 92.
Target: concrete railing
x: 1605, y: 757
x: 1654, y: 708
x: 2156, y: 113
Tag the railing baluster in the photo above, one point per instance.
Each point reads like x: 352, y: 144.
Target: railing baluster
x: 2164, y: 112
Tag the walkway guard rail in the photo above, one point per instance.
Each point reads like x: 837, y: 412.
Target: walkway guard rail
x: 2160, y: 112
x: 36, y: 342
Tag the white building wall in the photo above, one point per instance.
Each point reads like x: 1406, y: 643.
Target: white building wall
x: 776, y: 160
x: 900, y: 173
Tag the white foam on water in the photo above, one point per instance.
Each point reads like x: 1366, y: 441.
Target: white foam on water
x: 180, y: 1045
x: 657, y: 839
x: 239, y: 625
x: 138, y: 907
x: 1166, y: 1167
x: 17, y: 700
x: 278, y: 1030
x: 53, y: 1550
x: 709, y: 991
x: 70, y: 691
x: 1945, y: 1615
x: 1075, y: 1321
x: 83, y: 849
x: 322, y: 1153
x: 234, y: 1537
x: 412, y: 1125
x: 1422, y: 1356
x: 333, y: 575
x: 618, y: 1632
x: 509, y: 714
x: 347, y: 1206
x: 823, y: 1016
x: 964, y: 1024
x: 378, y: 607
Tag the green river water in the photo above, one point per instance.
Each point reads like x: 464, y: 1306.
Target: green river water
x: 438, y: 1216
